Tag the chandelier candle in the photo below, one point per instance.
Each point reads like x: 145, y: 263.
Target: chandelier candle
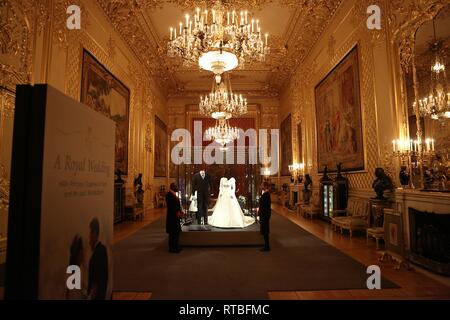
x: 238, y: 39
x: 221, y: 103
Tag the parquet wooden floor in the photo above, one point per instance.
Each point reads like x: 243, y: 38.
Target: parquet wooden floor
x: 415, y: 283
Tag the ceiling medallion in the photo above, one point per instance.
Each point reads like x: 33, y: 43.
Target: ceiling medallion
x: 222, y: 133
x: 222, y: 103
x: 218, y: 39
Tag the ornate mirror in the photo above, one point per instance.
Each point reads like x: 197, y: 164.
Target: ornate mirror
x: 428, y: 102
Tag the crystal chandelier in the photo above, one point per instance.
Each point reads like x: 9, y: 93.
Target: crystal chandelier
x: 437, y: 104
x: 218, y: 40
x: 222, y: 103
x: 438, y: 66
x: 222, y: 133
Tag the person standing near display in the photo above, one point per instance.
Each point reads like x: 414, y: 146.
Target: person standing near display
x: 173, y: 222
x: 264, y: 212
x: 201, y: 183
x: 76, y: 258
x: 98, y: 264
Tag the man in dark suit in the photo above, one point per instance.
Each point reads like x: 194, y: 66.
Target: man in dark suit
x: 264, y: 212
x: 201, y: 182
x: 98, y: 264
x: 174, y: 211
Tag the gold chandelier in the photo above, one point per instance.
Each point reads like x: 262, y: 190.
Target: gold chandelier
x: 436, y: 106
x: 222, y: 103
x: 222, y: 133
x: 218, y: 40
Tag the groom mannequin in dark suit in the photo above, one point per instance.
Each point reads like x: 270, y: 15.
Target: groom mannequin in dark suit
x: 201, y: 182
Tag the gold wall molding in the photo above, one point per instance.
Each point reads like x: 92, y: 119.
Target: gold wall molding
x: 148, y: 138
x: 331, y: 46
x: 360, y: 16
x: 406, y: 52
x: 266, y: 92
x: 4, y: 188
x: 269, y: 119
x: 315, y: 18
x: 124, y: 17
x: 16, y: 40
x: 7, y: 101
x: 127, y: 17
x: 388, y: 162
x: 111, y: 47
x: 61, y: 34
x: 140, y: 5
x: 229, y: 4
x: 145, y: 98
x: 21, y: 20
x: 302, y: 103
x: 405, y: 16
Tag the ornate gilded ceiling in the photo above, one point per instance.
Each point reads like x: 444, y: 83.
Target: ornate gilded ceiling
x: 293, y: 25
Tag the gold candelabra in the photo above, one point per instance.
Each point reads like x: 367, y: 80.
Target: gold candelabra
x: 414, y: 154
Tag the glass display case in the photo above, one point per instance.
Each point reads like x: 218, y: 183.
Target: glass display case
x: 328, y: 200
x: 326, y: 195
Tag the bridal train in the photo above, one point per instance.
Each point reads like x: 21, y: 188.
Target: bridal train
x: 227, y: 212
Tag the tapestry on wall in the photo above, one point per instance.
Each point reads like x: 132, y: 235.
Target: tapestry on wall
x: 104, y: 93
x: 286, y: 145
x: 160, y: 148
x: 338, y: 117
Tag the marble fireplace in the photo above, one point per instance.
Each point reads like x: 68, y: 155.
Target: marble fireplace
x: 426, y: 220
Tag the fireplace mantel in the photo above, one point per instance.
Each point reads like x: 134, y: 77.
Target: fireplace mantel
x: 432, y: 202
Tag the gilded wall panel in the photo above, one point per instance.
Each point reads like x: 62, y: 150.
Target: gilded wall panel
x: 314, y: 69
x: 21, y: 21
x: 144, y: 96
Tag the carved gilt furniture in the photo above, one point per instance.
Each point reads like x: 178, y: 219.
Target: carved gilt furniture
x: 313, y: 208
x: 355, y: 217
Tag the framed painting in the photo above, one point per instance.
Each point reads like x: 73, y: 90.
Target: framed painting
x: 338, y: 117
x: 286, y: 145
x: 393, y: 232
x: 160, y: 147
x: 103, y: 92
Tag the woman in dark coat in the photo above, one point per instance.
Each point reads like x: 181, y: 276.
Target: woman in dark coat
x: 264, y: 212
x: 173, y: 226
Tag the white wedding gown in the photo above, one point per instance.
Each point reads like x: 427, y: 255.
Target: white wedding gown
x: 227, y: 211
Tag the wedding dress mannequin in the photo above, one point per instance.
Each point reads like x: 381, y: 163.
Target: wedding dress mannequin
x: 193, y: 206
x: 227, y: 212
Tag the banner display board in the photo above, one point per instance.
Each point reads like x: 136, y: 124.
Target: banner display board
x: 68, y: 198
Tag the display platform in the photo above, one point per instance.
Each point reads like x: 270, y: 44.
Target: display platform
x: 197, y: 235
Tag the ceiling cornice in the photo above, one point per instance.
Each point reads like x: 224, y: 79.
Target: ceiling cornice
x: 131, y: 21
